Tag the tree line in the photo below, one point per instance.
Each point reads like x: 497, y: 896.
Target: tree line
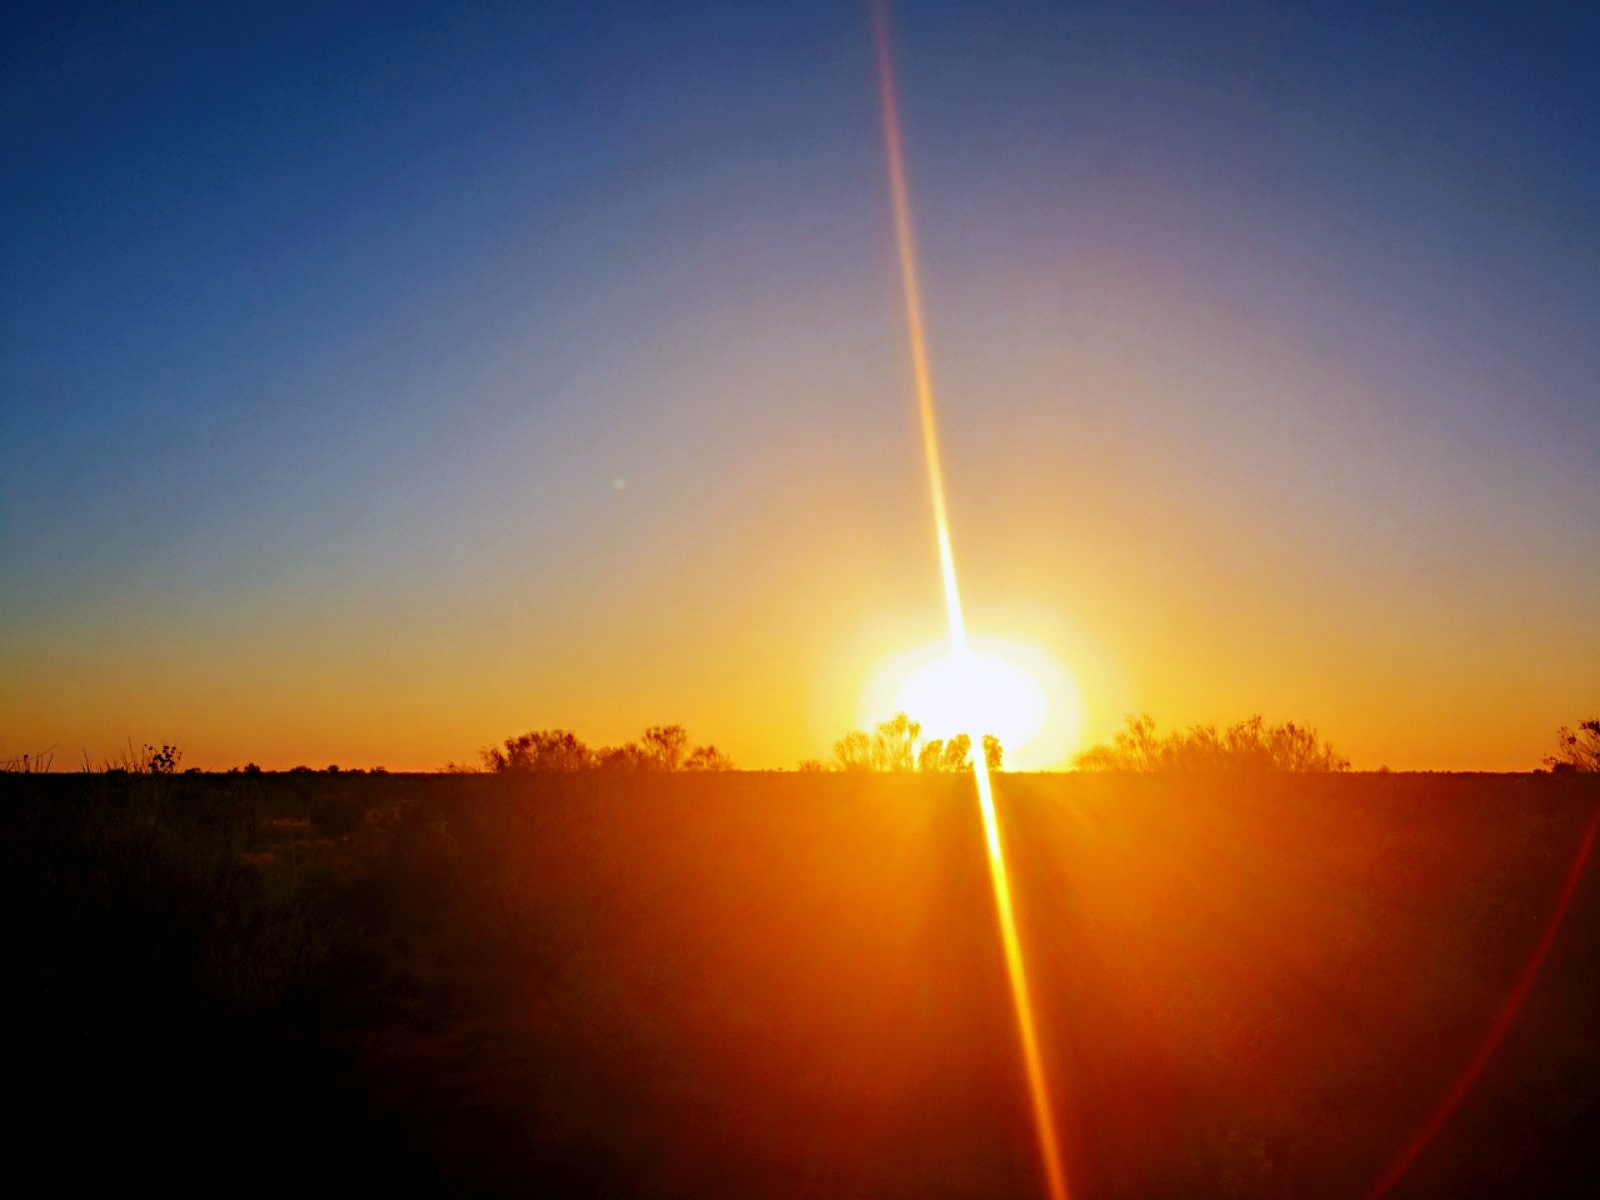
x: 1248, y: 745
x: 897, y: 745
x: 659, y: 748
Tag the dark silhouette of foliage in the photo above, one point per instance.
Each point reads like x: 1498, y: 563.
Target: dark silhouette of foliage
x: 894, y: 746
x: 146, y: 760
x: 953, y: 755
x: 853, y: 752
x: 708, y: 758
x: 1577, y: 750
x: 162, y: 760
x: 540, y: 750
x: 630, y: 756
x: 1249, y: 745
x: 897, y: 745
x: 896, y: 742
x: 664, y: 746
x: 660, y: 748
x: 993, y: 752
x: 27, y: 764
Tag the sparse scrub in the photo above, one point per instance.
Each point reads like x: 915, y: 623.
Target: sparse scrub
x: 145, y: 759
x: 1578, y: 750
x: 560, y: 751
x: 897, y: 746
x: 28, y: 764
x: 1249, y: 745
x: 708, y: 758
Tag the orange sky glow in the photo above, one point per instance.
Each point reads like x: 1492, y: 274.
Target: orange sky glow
x: 625, y: 432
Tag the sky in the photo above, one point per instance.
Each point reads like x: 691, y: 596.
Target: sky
x: 381, y: 380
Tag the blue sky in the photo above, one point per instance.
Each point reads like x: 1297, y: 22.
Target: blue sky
x: 326, y: 330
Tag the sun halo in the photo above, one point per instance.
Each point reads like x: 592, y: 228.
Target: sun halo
x: 1015, y: 692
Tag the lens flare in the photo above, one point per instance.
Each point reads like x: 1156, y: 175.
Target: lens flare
x: 1038, y: 1089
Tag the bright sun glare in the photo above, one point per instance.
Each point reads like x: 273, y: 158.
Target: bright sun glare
x: 1017, y: 693
x: 974, y: 693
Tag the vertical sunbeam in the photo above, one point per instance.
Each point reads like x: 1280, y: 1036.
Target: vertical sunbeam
x: 919, y: 346
x: 1038, y: 1088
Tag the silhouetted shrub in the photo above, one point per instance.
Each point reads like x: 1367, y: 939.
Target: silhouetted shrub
x: 1250, y: 745
x: 146, y: 760
x: 660, y: 748
x: 897, y: 745
x: 708, y: 758
x: 1577, y: 750
x: 27, y: 764
x: 539, y: 750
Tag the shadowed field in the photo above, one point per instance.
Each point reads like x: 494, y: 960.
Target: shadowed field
x: 791, y: 985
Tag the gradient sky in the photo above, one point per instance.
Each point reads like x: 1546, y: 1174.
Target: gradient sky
x: 1265, y: 350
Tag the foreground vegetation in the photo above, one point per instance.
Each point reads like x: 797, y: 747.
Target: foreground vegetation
x: 721, y: 984
x: 1249, y: 746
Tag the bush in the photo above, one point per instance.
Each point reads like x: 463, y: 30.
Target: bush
x: 897, y: 745
x: 660, y: 748
x: 1577, y: 750
x: 540, y: 750
x: 708, y: 758
x: 1249, y: 745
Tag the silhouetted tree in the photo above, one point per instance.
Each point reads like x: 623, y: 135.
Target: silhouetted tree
x: 993, y: 752
x: 660, y: 748
x: 540, y: 750
x: 630, y: 756
x: 1577, y: 750
x: 708, y: 758
x: 1249, y: 745
x: 897, y: 745
x: 853, y: 752
x: 957, y: 754
x: 949, y: 756
x: 811, y: 766
x: 663, y: 746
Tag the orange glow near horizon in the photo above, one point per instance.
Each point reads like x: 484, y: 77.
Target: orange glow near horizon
x: 1015, y: 690
x: 1038, y: 1086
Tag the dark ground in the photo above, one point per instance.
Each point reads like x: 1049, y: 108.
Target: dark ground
x: 791, y: 985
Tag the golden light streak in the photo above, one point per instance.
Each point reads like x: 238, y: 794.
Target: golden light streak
x: 919, y: 346
x: 1038, y: 1088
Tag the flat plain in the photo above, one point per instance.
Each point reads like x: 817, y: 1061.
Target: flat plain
x: 751, y: 984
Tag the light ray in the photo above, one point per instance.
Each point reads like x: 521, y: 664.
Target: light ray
x: 1038, y: 1087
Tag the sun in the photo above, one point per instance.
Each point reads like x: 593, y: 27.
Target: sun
x: 975, y: 694
x: 1017, y: 693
